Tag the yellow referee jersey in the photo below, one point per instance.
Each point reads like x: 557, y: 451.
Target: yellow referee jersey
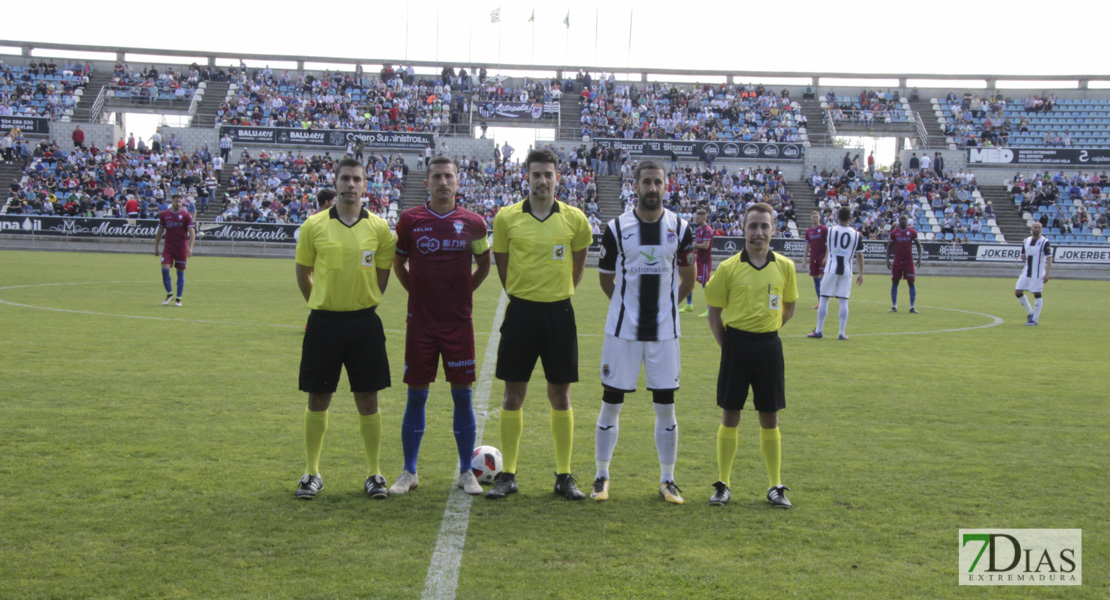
x: 752, y: 298
x: 540, y: 262
x: 345, y: 260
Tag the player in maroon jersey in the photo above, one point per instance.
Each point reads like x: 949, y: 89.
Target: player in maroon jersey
x: 703, y: 256
x: 177, y: 225
x: 902, y: 240
x: 435, y: 246
x: 816, y: 237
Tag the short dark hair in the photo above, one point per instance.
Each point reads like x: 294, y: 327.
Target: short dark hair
x: 324, y: 196
x: 649, y: 163
x: 175, y: 197
x: 349, y: 161
x: 761, y: 207
x: 701, y: 211
x: 541, y: 155
x: 844, y: 214
x: 443, y: 160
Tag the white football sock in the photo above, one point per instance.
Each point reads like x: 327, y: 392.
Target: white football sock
x: 843, y: 316
x: 666, y: 440
x: 1037, y: 304
x: 608, y: 428
x: 1025, y: 303
x: 822, y: 312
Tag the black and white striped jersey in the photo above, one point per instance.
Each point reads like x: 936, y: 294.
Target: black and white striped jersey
x: 645, y: 258
x: 844, y: 242
x: 1036, y: 252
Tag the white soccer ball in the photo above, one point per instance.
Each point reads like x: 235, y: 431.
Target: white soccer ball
x: 486, y: 463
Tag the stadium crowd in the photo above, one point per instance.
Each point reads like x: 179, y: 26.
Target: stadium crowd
x: 42, y: 89
x: 920, y: 191
x: 149, y: 84
x: 1074, y: 205
x: 703, y: 112
x: 101, y: 183
x: 395, y: 101
x: 869, y: 107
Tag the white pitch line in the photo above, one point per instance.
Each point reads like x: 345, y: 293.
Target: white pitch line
x: 995, y: 320
x: 443, y: 573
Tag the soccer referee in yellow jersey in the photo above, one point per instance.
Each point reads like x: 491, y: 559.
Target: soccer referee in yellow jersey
x: 344, y: 255
x: 540, y: 247
x: 751, y: 296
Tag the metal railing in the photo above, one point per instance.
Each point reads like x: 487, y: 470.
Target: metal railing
x: 922, y: 133
x: 98, y: 105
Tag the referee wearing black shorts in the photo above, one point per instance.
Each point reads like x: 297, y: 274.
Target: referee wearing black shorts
x: 751, y: 296
x: 344, y: 255
x: 540, y: 246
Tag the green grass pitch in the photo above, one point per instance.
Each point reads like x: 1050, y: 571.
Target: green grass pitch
x: 151, y: 451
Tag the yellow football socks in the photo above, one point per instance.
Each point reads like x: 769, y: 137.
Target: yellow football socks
x: 727, y: 440
x: 315, y: 424
x: 370, y: 426
x: 562, y: 431
x: 512, y: 426
x: 770, y: 442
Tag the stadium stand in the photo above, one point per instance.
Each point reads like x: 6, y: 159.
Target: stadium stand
x: 279, y: 184
x: 151, y: 86
x: 870, y: 107
x: 659, y: 111
x: 42, y: 89
x: 1036, y: 121
x: 1071, y: 210
x: 941, y: 208
x: 342, y: 100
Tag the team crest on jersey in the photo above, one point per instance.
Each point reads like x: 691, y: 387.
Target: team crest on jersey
x: 367, y: 258
x: 458, y: 226
x: 559, y: 252
x: 601, y: 251
x: 671, y: 235
x: 605, y: 372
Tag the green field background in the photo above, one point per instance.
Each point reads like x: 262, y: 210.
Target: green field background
x: 152, y: 452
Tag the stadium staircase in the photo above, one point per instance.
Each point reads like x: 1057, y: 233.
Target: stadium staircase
x: 1006, y: 213
x: 9, y: 173
x: 609, y: 197
x: 216, y: 207
x: 97, y: 81
x: 924, y: 108
x: 414, y: 193
x: 570, y: 116
x: 815, y: 123
x: 803, y: 204
x: 214, y: 95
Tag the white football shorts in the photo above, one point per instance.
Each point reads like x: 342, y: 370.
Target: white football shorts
x: 836, y: 286
x: 621, y: 360
x: 1030, y: 284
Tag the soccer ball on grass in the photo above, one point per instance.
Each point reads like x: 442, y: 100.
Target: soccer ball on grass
x: 486, y: 463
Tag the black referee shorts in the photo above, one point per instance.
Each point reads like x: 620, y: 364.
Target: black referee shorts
x: 544, y: 330
x: 751, y: 360
x: 353, y: 339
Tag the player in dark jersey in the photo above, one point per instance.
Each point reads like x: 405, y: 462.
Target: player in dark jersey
x: 435, y: 246
x: 177, y: 225
x: 902, y: 240
x: 816, y: 237
x: 703, y: 256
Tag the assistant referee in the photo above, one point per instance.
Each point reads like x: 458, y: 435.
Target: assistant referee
x: 540, y: 247
x: 751, y: 296
x: 344, y: 256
